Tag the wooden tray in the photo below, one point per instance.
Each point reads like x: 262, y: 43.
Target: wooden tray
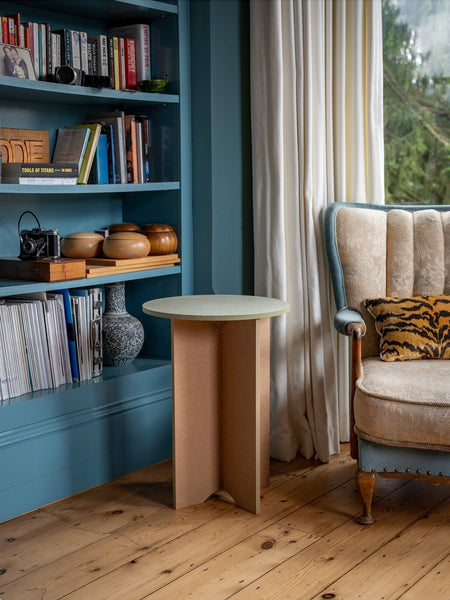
x: 138, y: 262
x: 102, y: 269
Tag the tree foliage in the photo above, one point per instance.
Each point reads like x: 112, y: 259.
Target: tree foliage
x: 416, y: 108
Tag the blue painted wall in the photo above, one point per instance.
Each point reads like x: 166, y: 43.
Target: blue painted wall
x: 221, y: 151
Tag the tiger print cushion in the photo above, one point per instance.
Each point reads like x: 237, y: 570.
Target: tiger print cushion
x: 412, y: 328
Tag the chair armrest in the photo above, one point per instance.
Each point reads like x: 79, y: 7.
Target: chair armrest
x: 350, y: 323
x: 347, y: 321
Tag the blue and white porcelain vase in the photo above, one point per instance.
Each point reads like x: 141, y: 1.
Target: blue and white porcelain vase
x: 123, y: 334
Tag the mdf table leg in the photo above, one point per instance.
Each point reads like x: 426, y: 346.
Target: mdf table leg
x: 244, y: 427
x: 196, y: 374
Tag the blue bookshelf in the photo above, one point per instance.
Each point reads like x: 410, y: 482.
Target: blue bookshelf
x: 57, y: 442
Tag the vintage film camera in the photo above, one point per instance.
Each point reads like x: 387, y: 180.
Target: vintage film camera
x: 38, y: 243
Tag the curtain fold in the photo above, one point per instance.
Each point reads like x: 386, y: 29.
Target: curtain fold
x: 316, y: 99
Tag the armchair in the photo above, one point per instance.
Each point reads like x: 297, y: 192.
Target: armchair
x: 390, y: 268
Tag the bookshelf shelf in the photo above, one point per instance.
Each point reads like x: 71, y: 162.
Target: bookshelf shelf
x: 128, y: 188
x: 140, y: 365
x: 10, y: 287
x: 57, y: 93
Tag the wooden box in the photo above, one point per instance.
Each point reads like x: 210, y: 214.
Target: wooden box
x: 51, y: 269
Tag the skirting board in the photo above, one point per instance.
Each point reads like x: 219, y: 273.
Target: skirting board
x: 117, y: 430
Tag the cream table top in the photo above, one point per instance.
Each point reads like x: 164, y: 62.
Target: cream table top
x: 215, y: 307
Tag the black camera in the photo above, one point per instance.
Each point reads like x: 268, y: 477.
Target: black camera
x: 38, y: 242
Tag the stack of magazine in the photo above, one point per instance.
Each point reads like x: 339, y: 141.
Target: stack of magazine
x: 48, y: 339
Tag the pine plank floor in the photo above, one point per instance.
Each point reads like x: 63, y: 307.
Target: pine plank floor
x: 124, y: 541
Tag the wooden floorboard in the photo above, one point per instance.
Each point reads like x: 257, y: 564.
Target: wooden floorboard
x: 124, y: 541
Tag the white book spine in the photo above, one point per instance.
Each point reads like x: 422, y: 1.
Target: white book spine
x: 76, y: 53
x: 84, y: 51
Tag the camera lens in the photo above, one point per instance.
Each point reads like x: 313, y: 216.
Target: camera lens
x: 65, y: 74
x: 29, y: 246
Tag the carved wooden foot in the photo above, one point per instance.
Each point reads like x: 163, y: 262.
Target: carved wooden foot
x: 365, y: 482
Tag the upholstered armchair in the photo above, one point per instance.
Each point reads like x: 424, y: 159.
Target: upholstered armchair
x: 390, y: 268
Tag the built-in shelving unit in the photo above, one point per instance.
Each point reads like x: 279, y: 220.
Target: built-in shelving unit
x: 124, y: 416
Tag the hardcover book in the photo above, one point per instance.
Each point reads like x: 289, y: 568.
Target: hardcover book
x: 71, y: 145
x: 40, y: 174
x: 91, y: 147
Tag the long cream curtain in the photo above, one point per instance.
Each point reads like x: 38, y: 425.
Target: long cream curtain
x: 317, y: 137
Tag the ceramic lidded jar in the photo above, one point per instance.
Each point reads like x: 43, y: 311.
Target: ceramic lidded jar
x: 115, y: 227
x: 163, y: 239
x: 126, y: 244
x: 82, y: 244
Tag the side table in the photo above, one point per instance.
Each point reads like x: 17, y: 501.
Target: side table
x: 221, y: 394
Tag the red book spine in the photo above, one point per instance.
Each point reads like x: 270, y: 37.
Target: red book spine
x: 130, y: 63
x: 5, y: 30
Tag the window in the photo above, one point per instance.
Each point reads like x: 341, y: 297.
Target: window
x: 416, y: 48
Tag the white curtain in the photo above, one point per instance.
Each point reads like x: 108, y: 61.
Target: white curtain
x: 317, y: 137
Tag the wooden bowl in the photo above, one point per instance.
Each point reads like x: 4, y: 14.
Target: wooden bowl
x: 115, y: 227
x: 126, y: 244
x: 162, y: 238
x: 82, y: 244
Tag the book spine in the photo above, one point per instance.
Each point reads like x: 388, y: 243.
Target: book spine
x: 49, y: 53
x: 130, y: 64
x: 89, y: 57
x: 5, y: 31
x: 100, y: 167
x: 40, y: 170
x: 22, y: 36
x: 112, y: 73
x: 42, y: 50
x: 123, y: 82
x: 102, y: 55
x: 116, y: 63
x: 35, y: 36
x: 56, y: 50
x: 76, y: 52
x: 84, y: 52
x: 41, y: 180
x: 11, y: 31
x: 28, y: 38
x: 94, y: 47
x: 95, y: 330
x: 112, y: 166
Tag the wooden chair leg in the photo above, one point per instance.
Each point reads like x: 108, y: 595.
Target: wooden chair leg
x: 365, y: 482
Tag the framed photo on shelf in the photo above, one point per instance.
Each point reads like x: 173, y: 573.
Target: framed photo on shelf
x: 16, y: 61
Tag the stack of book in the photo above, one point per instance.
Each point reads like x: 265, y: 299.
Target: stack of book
x: 122, y: 55
x: 48, y: 339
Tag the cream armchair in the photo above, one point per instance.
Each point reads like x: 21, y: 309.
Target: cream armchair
x: 390, y: 268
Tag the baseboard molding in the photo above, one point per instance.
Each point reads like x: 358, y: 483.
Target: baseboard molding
x: 111, y: 432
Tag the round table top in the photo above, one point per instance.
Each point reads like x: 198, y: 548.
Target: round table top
x: 216, y: 307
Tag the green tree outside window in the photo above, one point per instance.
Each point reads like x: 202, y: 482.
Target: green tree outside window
x: 416, y: 47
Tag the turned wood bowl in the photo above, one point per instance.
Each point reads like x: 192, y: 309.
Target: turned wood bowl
x: 162, y: 238
x: 126, y: 244
x: 82, y: 244
x: 115, y: 227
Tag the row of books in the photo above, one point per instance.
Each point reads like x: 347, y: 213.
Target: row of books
x: 106, y: 148
x: 48, y: 339
x: 122, y: 55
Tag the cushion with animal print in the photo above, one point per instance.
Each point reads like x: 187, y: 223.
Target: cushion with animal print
x: 412, y: 328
